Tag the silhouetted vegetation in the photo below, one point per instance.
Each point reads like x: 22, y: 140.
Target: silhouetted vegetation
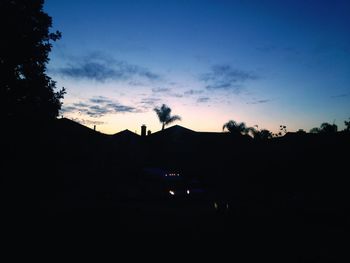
x: 325, y: 128
x: 347, y: 125
x: 263, y: 134
x: 236, y: 128
x: 26, y: 92
x: 329, y: 128
x: 288, y: 186
x: 164, y: 115
x: 315, y: 130
x: 282, y: 130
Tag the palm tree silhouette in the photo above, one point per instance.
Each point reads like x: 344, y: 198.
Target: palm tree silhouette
x: 238, y: 128
x: 164, y: 115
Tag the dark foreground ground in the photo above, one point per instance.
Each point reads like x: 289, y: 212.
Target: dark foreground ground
x: 288, y: 198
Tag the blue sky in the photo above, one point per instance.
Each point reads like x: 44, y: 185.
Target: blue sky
x: 262, y: 62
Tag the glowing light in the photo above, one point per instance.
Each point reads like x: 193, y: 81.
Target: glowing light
x: 188, y: 192
x: 216, y: 205
x: 171, y: 192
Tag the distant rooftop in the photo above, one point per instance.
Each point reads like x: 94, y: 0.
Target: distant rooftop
x: 125, y: 133
x: 176, y: 129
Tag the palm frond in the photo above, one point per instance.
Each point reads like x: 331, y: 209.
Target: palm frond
x: 230, y: 125
x: 172, y: 119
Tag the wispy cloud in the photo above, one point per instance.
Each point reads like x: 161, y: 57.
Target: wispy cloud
x: 193, y: 92
x: 160, y: 90
x: 167, y: 92
x: 99, y: 67
x: 100, y: 100
x: 68, y: 109
x: 97, y: 110
x: 203, y: 99
x: 119, y: 108
x: 97, y: 107
x: 259, y: 101
x: 87, y: 122
x: 176, y: 95
x: 148, y: 103
x: 80, y: 104
x: 338, y: 96
x: 224, y: 77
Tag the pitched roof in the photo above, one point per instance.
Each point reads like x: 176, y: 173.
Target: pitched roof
x: 126, y: 133
x: 71, y: 127
x: 173, y: 130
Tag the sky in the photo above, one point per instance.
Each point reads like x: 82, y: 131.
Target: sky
x: 265, y: 63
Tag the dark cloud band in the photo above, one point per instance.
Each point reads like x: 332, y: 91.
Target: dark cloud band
x: 224, y: 77
x: 102, y: 68
x: 98, y: 107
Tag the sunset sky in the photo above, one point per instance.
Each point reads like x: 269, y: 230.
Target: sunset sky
x: 266, y: 63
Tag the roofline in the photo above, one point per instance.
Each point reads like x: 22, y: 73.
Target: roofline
x: 126, y: 130
x: 176, y: 125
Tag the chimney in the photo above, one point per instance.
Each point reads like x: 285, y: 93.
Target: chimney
x: 143, y: 130
x: 149, y: 132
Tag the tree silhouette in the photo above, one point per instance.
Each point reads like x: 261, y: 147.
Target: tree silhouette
x: 328, y: 128
x: 236, y: 128
x: 315, y: 130
x: 347, y: 125
x: 26, y: 92
x: 263, y: 134
x: 164, y: 115
x: 325, y: 128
